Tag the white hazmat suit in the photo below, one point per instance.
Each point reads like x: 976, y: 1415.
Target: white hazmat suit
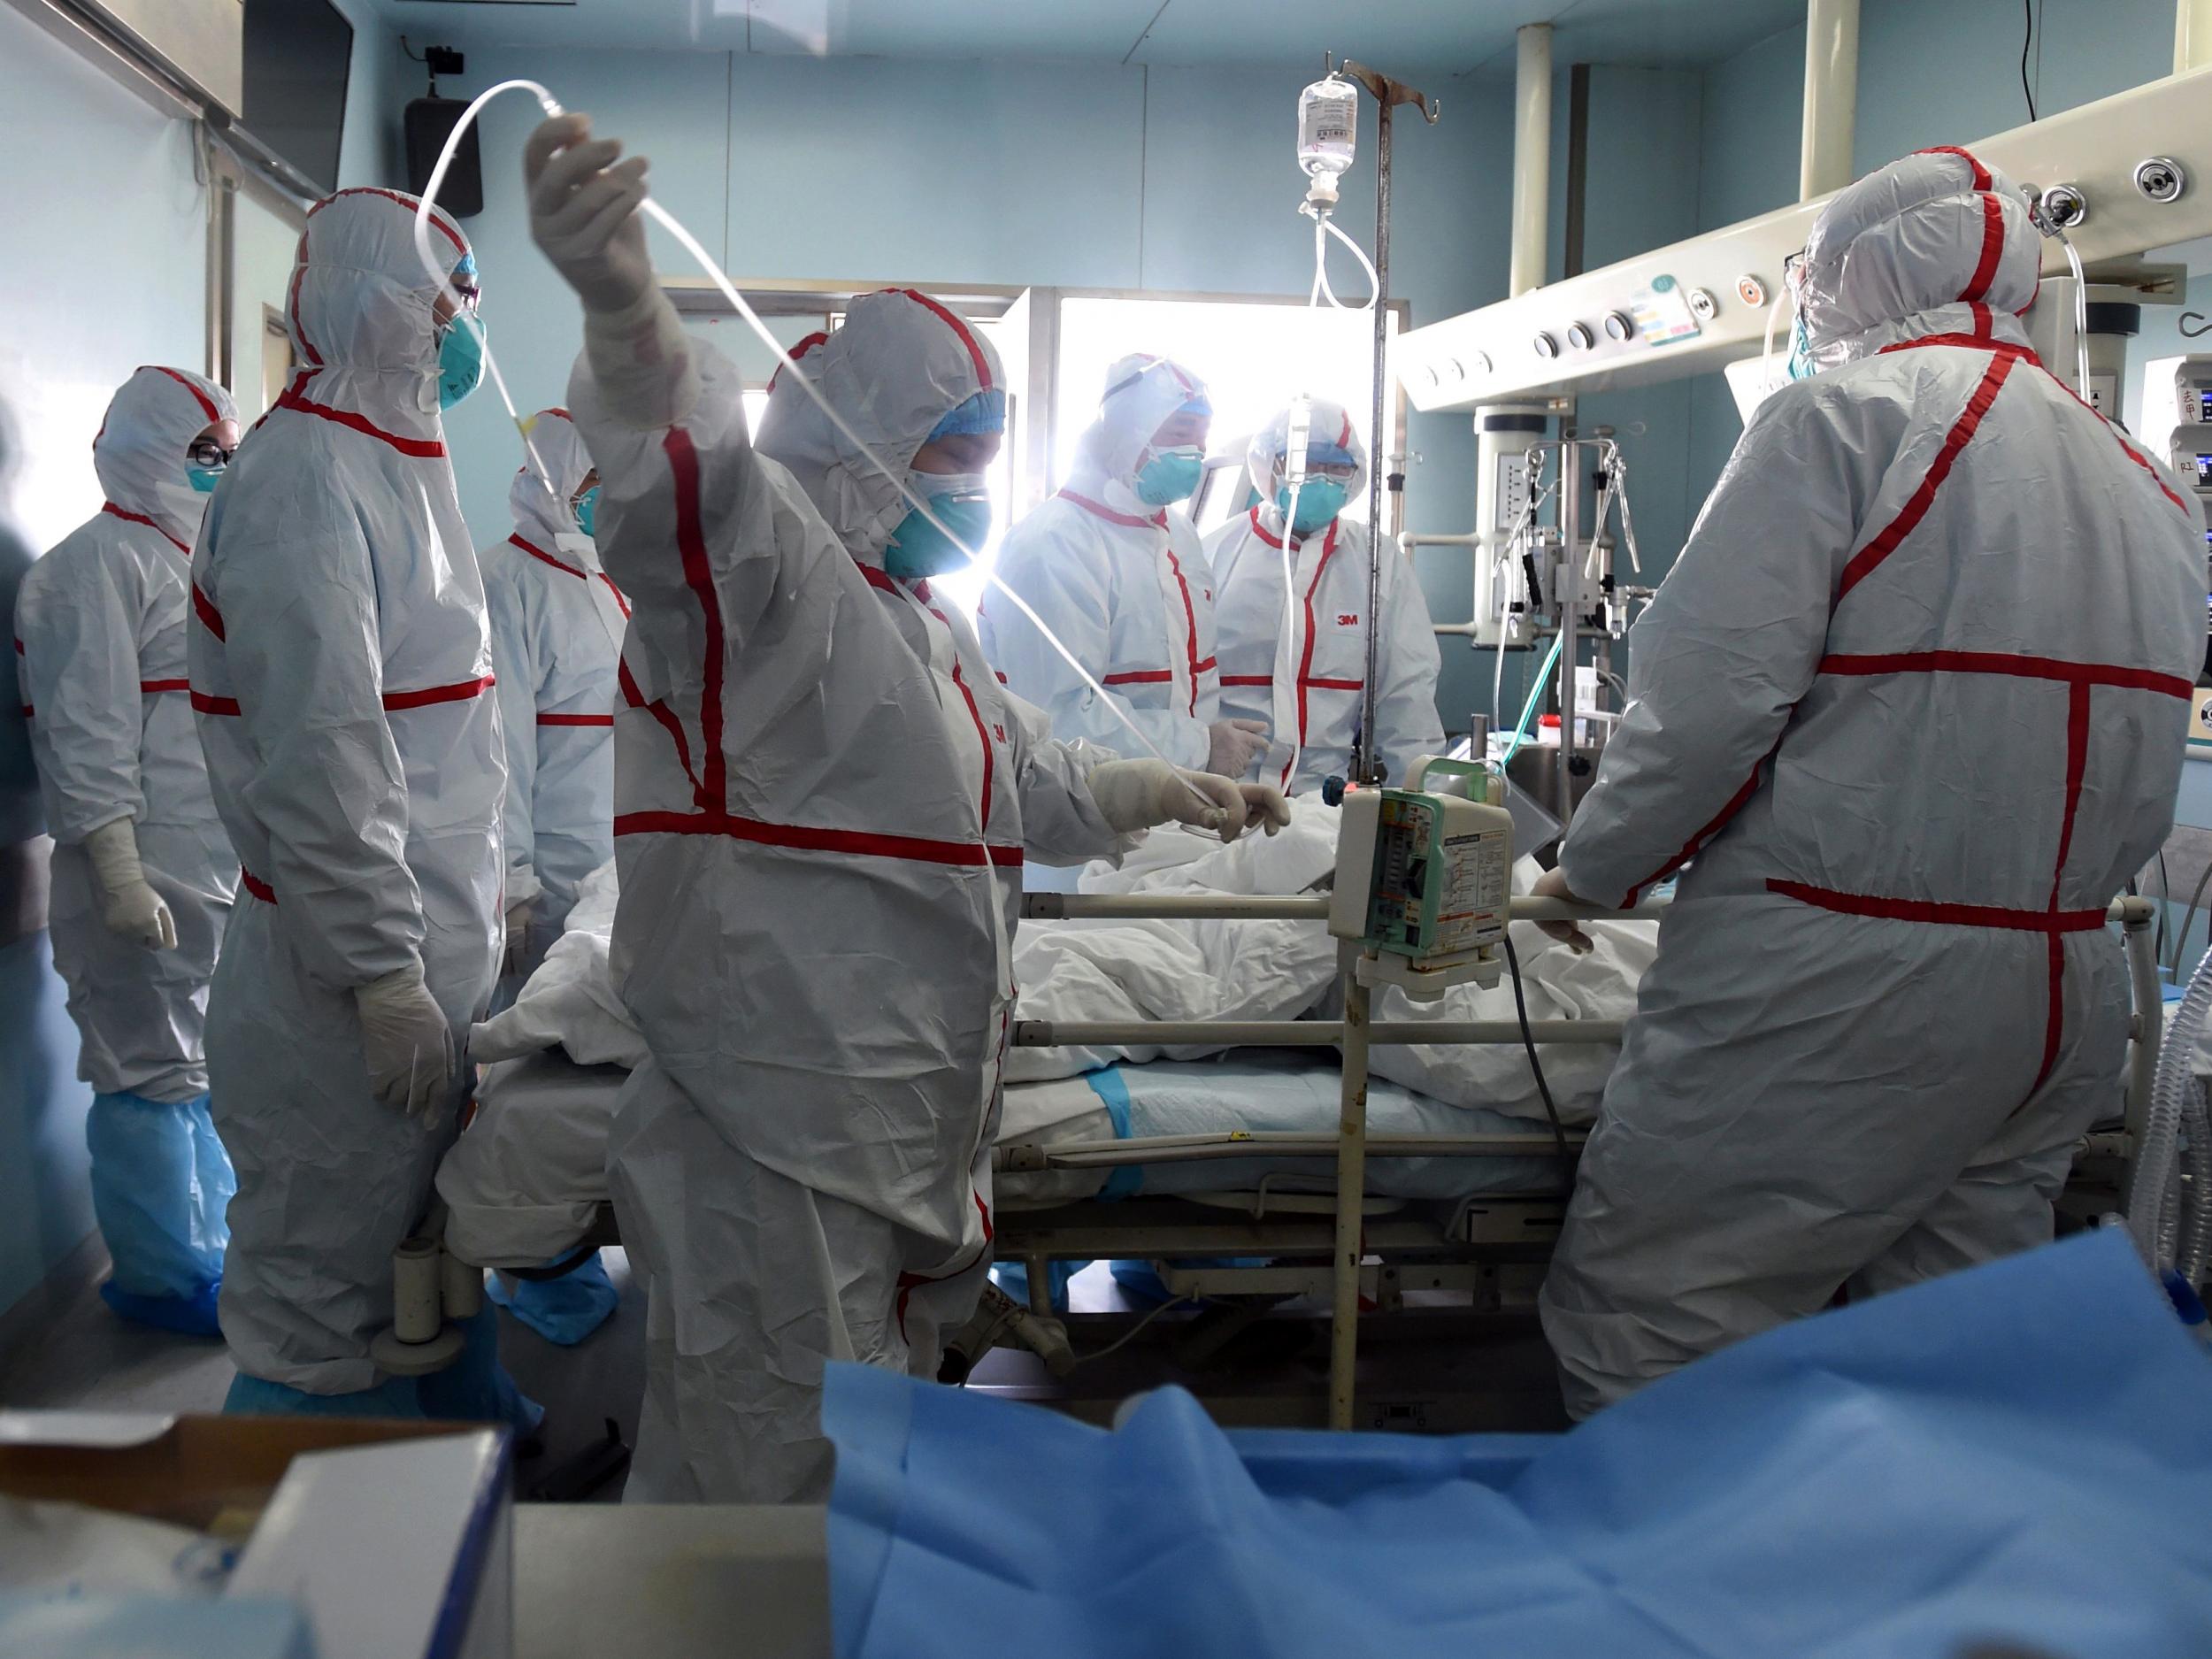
x: 1304, y: 680
x: 1914, y: 699
x: 1124, y: 584
x: 557, y: 641
x: 342, y: 672
x: 100, y: 644
x: 823, y: 802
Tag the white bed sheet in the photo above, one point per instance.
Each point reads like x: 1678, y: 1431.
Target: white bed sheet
x: 523, y: 1182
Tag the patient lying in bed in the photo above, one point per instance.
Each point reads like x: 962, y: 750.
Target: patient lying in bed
x: 524, y: 1181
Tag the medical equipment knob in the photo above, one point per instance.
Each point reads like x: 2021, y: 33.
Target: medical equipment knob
x: 1333, y: 789
x: 2160, y: 178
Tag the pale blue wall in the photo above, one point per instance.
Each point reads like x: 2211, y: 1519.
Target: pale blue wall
x: 370, y: 150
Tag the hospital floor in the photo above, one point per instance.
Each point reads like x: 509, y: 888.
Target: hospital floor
x: 1440, y: 1375
x: 86, y: 1358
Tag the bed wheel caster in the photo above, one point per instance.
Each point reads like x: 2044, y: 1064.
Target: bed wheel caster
x: 415, y: 1359
x: 429, y: 1288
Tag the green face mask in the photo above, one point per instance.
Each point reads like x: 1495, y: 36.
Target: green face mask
x: 919, y: 548
x: 1320, y: 498
x: 1171, y: 475
x: 460, y: 360
x: 1802, y: 365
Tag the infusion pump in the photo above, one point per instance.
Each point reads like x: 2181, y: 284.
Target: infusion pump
x: 1424, y: 876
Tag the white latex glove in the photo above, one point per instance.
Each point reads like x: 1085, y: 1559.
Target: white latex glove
x: 407, y: 1042
x: 1553, y: 885
x: 517, y: 929
x: 1235, y: 745
x: 583, y: 212
x: 1135, y: 795
x: 130, y: 907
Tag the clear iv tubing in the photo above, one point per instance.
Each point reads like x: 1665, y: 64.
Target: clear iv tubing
x: 2081, y: 314
x: 1324, y: 228
x: 1298, y: 434
x: 1535, y: 695
x: 707, y: 263
x: 1766, y: 351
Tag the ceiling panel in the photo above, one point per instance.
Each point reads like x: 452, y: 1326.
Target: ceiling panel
x: 1436, y: 37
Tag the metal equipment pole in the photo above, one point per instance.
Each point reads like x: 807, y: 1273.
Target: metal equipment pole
x: 1566, y: 591
x: 1351, y: 1190
x: 1366, y: 766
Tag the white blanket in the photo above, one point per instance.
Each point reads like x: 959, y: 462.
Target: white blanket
x: 1182, y: 971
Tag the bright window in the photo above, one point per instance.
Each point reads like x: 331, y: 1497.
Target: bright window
x: 1253, y: 355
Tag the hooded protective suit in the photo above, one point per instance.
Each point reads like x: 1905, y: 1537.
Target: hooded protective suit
x: 1914, y: 698
x: 100, y: 644
x: 1304, y: 680
x: 557, y: 641
x: 1123, y: 583
x: 823, y: 799
x: 340, y: 665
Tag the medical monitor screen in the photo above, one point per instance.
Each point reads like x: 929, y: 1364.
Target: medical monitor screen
x: 297, y: 54
x: 2204, y: 471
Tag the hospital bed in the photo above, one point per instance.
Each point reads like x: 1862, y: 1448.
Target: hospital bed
x: 1272, y: 1174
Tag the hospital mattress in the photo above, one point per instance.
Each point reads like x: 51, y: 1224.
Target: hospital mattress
x: 524, y: 1182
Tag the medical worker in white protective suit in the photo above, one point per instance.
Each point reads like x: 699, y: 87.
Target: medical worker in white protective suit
x: 556, y: 646
x: 341, y: 671
x: 143, y: 873
x: 1914, y: 699
x: 822, y: 807
x: 1114, y: 569
x: 1301, y: 682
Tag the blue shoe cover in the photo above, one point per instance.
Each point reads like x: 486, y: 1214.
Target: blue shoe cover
x: 566, y: 1309
x: 188, y: 1315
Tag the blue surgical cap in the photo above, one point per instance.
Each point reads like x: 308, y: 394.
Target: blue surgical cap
x: 986, y: 412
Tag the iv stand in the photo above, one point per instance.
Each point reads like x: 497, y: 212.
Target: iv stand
x: 1366, y: 767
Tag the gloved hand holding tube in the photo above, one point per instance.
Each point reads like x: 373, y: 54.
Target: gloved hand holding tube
x: 1136, y: 795
x: 129, y: 907
x: 584, y: 218
x: 407, y: 1042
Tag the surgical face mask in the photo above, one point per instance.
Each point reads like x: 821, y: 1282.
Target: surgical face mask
x: 586, y: 508
x: 919, y: 548
x: 1170, y: 474
x: 1801, y: 364
x: 1320, y: 498
x: 184, y: 499
x: 203, y: 479
x: 460, y: 360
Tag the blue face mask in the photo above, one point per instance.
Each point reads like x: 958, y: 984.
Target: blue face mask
x: 460, y: 360
x: 1319, y: 500
x: 586, y: 506
x: 203, y: 479
x: 1171, y: 475
x: 919, y: 548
